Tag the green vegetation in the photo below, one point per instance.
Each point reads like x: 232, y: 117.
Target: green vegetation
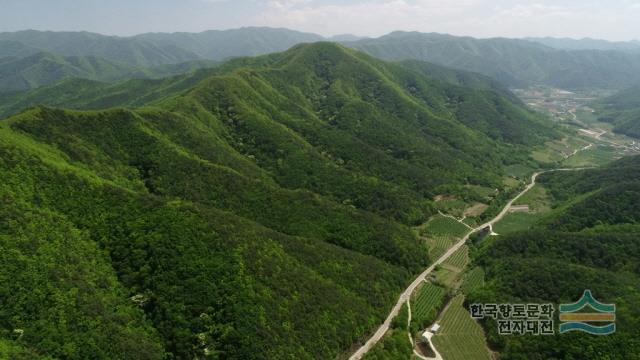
x: 460, y: 337
x: 438, y: 245
x: 473, y: 279
x: 595, y: 156
x: 42, y: 69
x: 539, y: 203
x: 588, y: 241
x: 458, y: 260
x: 425, y: 305
x: 396, y: 344
x: 262, y: 211
x: 516, y: 63
x: 622, y: 110
x: 440, y: 225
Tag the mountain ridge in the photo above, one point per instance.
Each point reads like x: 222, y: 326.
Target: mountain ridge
x: 294, y: 173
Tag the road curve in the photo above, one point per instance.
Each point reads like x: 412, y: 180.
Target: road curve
x: 406, y: 295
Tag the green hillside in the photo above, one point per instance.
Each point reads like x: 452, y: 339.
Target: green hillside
x: 622, y: 110
x: 589, y: 241
x: 259, y: 212
x: 44, y: 68
x: 126, y: 51
x: 513, y: 62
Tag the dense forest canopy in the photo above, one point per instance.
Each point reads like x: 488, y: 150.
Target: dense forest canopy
x: 260, y: 210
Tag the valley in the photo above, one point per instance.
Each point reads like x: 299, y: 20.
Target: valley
x: 440, y: 290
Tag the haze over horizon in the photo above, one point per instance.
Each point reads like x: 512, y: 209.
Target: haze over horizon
x: 614, y: 21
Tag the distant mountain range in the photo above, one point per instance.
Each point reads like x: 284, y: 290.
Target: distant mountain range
x: 587, y: 44
x: 564, y: 63
x: 516, y: 63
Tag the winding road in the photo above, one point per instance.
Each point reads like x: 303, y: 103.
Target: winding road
x: 406, y: 295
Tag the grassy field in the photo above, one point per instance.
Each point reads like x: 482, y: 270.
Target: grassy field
x: 460, y: 337
x: 441, y: 225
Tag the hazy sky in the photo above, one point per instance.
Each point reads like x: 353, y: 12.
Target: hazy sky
x: 607, y: 19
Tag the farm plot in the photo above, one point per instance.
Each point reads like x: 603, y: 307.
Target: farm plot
x: 458, y: 261
x: 460, y: 337
x: 444, y: 226
x: 438, y: 245
x: 425, y: 305
x: 473, y: 279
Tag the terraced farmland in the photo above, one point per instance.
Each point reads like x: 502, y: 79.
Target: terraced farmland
x: 458, y: 260
x: 441, y: 225
x: 438, y: 245
x: 460, y: 337
x: 425, y: 304
x: 473, y: 279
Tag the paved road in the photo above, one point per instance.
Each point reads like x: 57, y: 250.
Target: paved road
x: 406, y: 295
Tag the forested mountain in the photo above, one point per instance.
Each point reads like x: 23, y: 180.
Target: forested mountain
x: 510, y: 61
x: 513, y: 62
x: 587, y: 44
x: 622, y: 110
x: 44, y: 68
x: 223, y: 44
x: 590, y: 241
x: 126, y: 51
x: 258, y: 212
x: 78, y: 93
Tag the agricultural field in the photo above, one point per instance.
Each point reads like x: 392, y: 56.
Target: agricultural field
x: 595, y: 156
x: 518, y: 171
x: 539, y: 203
x: 441, y: 225
x: 472, y: 280
x: 458, y: 261
x: 438, y: 245
x: 452, y: 205
x: 449, y: 273
x: 445, y: 277
x: 460, y: 337
x: 425, y: 304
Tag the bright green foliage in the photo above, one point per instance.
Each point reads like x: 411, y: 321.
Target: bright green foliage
x: 441, y: 225
x: 460, y: 337
x: 425, y: 304
x: 589, y: 241
x: 260, y: 213
x: 459, y: 259
x: 473, y: 279
x: 396, y: 344
x: 438, y: 245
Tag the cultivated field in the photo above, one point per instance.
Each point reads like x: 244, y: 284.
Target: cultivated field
x: 425, y: 304
x: 460, y: 337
